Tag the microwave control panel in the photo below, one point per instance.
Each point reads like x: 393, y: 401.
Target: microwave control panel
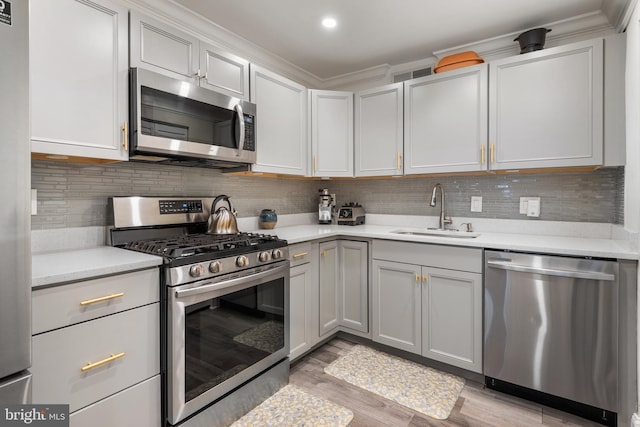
x: 180, y: 206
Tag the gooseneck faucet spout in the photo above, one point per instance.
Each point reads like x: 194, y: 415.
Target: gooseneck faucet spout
x: 443, y: 219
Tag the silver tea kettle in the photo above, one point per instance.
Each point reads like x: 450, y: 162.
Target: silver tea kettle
x: 223, y: 218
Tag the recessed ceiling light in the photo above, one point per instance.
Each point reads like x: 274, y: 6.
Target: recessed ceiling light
x: 329, y: 22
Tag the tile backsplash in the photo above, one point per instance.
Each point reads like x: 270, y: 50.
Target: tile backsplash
x: 75, y: 195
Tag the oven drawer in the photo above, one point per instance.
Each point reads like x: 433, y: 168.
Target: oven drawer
x: 136, y: 406
x: 60, y: 355
x: 66, y: 305
x: 300, y: 254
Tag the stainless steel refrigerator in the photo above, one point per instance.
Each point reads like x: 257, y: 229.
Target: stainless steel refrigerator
x: 15, y: 219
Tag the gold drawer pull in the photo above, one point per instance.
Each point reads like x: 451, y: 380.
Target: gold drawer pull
x: 102, y: 362
x: 101, y: 299
x: 482, y: 156
x: 492, y: 149
x: 300, y: 255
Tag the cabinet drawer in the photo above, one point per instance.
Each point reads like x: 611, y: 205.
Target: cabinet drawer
x: 299, y: 254
x: 59, y: 355
x: 66, y: 305
x: 136, y: 406
x: 441, y: 256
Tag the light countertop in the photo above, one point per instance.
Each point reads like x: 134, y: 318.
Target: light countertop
x: 560, y: 245
x: 59, y: 267
x: 64, y: 266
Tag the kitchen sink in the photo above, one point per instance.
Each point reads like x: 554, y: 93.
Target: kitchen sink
x: 437, y: 232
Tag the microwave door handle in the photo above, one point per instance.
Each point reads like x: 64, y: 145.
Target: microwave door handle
x: 238, y: 110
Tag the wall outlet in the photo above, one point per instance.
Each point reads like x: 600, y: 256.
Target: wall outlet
x: 525, y: 209
x: 476, y: 203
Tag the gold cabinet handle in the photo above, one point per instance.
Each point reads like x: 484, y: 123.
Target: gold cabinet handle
x: 399, y: 161
x: 417, y: 277
x: 315, y: 163
x: 482, y: 154
x: 492, y: 149
x: 101, y: 299
x: 109, y: 359
x: 300, y: 255
x: 125, y: 136
x: 424, y: 279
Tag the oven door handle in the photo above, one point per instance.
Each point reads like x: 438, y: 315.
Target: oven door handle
x: 247, y: 281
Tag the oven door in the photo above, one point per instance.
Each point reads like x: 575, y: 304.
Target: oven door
x: 222, y: 333
x: 176, y: 118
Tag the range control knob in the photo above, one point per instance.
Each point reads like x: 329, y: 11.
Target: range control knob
x: 263, y: 256
x: 214, y: 267
x: 196, y: 270
x: 276, y: 254
x: 242, y: 261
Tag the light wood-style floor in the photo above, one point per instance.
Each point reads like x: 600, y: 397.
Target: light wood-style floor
x: 476, y: 406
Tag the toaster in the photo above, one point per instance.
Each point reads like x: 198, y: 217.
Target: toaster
x: 351, y: 214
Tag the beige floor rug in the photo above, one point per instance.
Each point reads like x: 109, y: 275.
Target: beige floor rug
x: 293, y: 407
x: 410, y: 384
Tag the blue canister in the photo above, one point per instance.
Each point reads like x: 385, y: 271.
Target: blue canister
x: 267, y: 219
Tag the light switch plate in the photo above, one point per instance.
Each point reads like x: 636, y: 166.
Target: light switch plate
x: 476, y: 203
x: 34, y: 202
x: 523, y: 204
x: 533, y: 207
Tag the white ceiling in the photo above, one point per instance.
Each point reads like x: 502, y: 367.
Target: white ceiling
x: 378, y: 32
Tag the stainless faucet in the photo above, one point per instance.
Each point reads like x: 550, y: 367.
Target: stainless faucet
x: 443, y: 219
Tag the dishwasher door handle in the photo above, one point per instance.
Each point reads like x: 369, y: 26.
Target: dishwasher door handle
x: 576, y: 274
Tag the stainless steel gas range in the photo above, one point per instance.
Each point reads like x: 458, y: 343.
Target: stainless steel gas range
x: 225, y: 316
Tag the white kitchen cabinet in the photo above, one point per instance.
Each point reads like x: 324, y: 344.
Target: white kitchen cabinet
x: 303, y: 297
x: 378, y: 140
x: 78, y: 75
x: 396, y: 305
x: 546, y: 108
x: 452, y: 317
x: 329, y: 287
x: 427, y: 299
x: 159, y: 47
x: 344, y: 287
x: 354, y: 285
x: 95, y: 346
x: 282, y: 123
x: 445, y: 121
x: 331, y: 133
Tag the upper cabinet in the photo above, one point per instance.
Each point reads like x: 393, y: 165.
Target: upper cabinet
x: 331, y: 133
x: 445, y: 121
x: 379, y: 131
x: 169, y: 51
x: 546, y: 108
x: 79, y: 100
x: 281, y: 125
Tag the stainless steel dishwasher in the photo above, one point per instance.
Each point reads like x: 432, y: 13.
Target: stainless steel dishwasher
x: 551, y: 331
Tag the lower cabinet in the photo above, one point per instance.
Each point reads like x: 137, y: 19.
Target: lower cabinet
x: 96, y: 348
x: 427, y: 300
x: 344, y: 289
x: 303, y: 297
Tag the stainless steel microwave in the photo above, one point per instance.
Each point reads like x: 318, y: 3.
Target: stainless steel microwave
x: 178, y: 122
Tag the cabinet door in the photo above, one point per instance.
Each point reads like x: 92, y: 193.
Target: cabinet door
x: 329, y: 303
x: 281, y: 128
x: 224, y: 72
x: 79, y: 99
x: 379, y: 131
x: 354, y: 295
x: 546, y: 108
x: 446, y: 121
x: 332, y: 133
x: 157, y: 47
x: 452, y: 317
x: 396, y: 305
x: 300, y: 297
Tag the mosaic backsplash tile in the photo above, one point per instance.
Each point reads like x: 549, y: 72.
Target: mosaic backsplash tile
x: 75, y: 195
